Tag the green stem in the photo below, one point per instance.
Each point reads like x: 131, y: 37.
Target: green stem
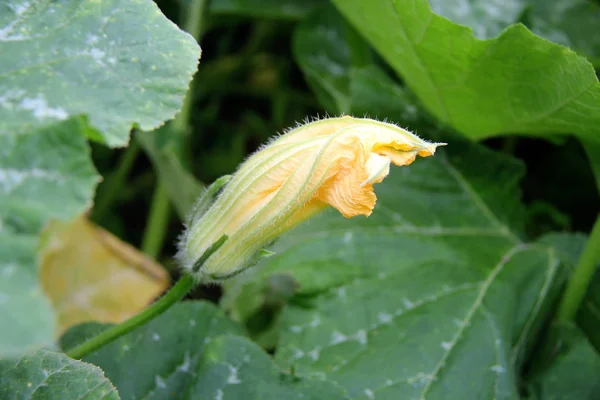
x: 117, y: 180
x: 155, y: 232
x: 176, y: 293
x: 580, y: 280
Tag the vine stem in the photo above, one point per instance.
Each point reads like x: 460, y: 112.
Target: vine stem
x: 581, y: 277
x: 175, y: 294
x: 154, y: 235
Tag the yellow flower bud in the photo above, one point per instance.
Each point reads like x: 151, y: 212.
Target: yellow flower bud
x: 331, y: 162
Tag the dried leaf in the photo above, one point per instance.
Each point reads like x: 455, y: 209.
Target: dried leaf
x: 91, y: 275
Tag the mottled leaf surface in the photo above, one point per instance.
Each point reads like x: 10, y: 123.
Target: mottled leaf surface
x: 194, y: 351
x: 44, y: 174
x: 166, y: 351
x: 434, y: 296
x: 120, y: 62
x: 235, y: 368
x: 52, y: 376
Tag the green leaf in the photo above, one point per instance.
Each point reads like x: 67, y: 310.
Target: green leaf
x: 570, y: 368
x: 183, y: 352
x: 166, y: 351
x: 516, y: 83
x: 181, y: 186
x: 44, y: 174
x: 118, y: 61
x: 48, y: 375
x: 235, y: 368
x: 338, y: 66
x: 277, y: 9
x: 435, y: 286
x: 24, y: 307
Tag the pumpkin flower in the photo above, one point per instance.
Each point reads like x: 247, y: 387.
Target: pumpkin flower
x: 332, y: 162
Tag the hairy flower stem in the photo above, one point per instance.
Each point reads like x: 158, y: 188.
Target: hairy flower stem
x: 580, y: 280
x: 173, y: 296
x: 176, y: 293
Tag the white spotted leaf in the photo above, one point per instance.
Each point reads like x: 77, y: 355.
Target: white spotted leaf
x: 236, y: 368
x: 187, y: 351
x: 69, y: 70
x: 48, y: 375
x: 120, y: 62
x: 43, y: 174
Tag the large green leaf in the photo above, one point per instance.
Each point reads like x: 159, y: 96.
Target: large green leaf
x: 166, y: 350
x: 119, y: 62
x: 516, y: 83
x: 180, y: 352
x: 44, y: 174
x: 435, y: 295
x: 235, y: 368
x: 52, y: 376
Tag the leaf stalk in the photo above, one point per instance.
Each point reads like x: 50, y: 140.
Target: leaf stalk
x: 581, y: 277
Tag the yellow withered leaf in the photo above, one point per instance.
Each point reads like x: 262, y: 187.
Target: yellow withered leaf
x: 91, y: 275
